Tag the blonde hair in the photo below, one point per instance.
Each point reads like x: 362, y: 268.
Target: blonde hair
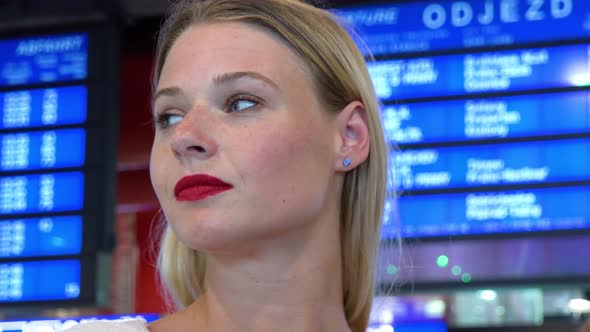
x: 338, y: 71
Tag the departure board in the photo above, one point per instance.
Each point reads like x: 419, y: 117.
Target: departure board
x: 493, y: 164
x: 57, y: 163
x: 486, y: 105
x: 425, y: 26
x: 488, y: 118
x: 500, y: 71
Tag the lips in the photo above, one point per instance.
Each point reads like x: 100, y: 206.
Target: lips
x: 199, y: 186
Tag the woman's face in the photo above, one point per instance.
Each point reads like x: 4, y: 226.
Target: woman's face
x: 233, y: 102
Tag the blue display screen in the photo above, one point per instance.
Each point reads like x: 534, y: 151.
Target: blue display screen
x: 47, y: 236
x: 43, y: 107
x: 482, y: 96
x: 46, y: 280
x: 42, y: 193
x: 43, y: 59
x: 511, y: 70
x: 439, y: 25
x: 43, y: 150
x: 523, y: 210
x: 56, y: 102
x: 417, y: 326
x: 505, y: 117
x: 494, y: 164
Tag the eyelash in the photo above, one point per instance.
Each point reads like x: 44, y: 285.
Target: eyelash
x: 236, y: 98
x: 161, y: 120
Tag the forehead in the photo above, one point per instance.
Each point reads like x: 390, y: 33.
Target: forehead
x: 206, y: 50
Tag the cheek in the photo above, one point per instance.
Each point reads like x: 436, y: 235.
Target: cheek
x: 286, y: 161
x: 278, y: 149
x: 157, y: 169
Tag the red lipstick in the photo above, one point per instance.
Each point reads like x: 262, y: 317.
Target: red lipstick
x: 199, y: 186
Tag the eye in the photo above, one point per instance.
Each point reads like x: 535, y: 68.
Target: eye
x: 166, y: 120
x: 241, y: 104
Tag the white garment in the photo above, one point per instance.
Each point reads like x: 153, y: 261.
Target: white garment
x: 128, y: 325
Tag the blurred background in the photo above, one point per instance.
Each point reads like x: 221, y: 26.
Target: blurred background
x: 486, y: 104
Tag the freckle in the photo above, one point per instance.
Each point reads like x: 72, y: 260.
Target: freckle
x: 284, y: 201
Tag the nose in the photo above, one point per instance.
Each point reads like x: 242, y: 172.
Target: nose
x: 191, y: 140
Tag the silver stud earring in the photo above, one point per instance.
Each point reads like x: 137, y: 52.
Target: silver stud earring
x: 346, y: 162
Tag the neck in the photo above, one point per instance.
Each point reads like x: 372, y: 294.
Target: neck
x: 291, y: 283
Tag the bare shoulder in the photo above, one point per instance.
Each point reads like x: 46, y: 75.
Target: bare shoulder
x: 171, y: 323
x: 180, y: 321
x: 130, y: 325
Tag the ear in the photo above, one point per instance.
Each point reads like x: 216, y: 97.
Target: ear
x: 352, y: 139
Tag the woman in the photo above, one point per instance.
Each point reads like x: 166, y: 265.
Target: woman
x: 270, y: 165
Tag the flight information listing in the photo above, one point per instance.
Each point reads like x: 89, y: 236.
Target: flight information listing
x: 511, y: 70
x: 47, y: 236
x: 39, y: 281
x: 493, y: 212
x: 43, y: 59
x: 422, y: 26
x: 43, y: 107
x: 493, y: 164
x: 505, y: 117
x: 41, y: 193
x: 42, y: 150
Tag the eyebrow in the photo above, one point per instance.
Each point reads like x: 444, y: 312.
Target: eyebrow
x: 234, y: 76
x: 172, y: 91
x: 221, y: 79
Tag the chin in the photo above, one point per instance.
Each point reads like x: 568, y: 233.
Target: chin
x: 212, y: 229
x: 207, y: 233
x: 225, y: 245
x: 235, y: 239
